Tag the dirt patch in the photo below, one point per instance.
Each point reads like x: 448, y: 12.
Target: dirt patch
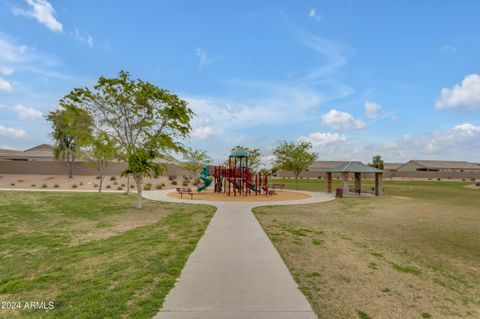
x: 211, y: 196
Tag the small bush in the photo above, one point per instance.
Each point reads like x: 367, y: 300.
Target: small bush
x: 12, y: 184
x: 33, y: 185
x: 174, y: 182
x: 50, y: 178
x: 463, y: 179
x: 97, y: 177
x: 123, y: 185
x: 108, y: 186
x: 132, y: 186
x: 147, y: 187
x: 95, y: 185
x: 119, y: 188
x: 163, y: 185
x: 44, y: 186
x: 185, y: 183
x: 172, y: 177
x: 81, y: 184
x: 472, y: 179
x: 439, y: 179
x: 113, y: 178
x: 56, y: 186
x: 158, y: 186
x: 74, y: 186
x: 20, y: 180
x: 115, y: 183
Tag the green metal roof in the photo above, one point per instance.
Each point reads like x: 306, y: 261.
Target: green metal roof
x: 239, y: 153
x: 352, y: 167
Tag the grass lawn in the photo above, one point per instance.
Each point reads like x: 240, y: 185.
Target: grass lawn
x: 93, y: 255
x: 414, y: 253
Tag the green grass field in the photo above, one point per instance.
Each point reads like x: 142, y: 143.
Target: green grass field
x: 94, y: 256
x: 414, y: 253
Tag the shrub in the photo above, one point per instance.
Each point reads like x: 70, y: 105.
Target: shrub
x: 172, y: 177
x: 115, y: 183
x: 185, y: 183
x: 119, y: 188
x: 95, y: 185
x: 81, y: 183
x: 97, y: 177
x: 12, y: 184
x: 56, y: 186
x: 472, y: 179
x: 158, y: 186
x: 20, y: 180
x: 463, y: 179
x: 439, y: 179
x: 44, y: 186
x: 74, y: 186
x: 163, y: 185
x: 33, y: 185
x: 123, y: 185
x: 108, y: 186
x: 50, y: 178
x: 147, y: 187
x: 113, y: 178
x: 132, y: 186
x: 174, y: 182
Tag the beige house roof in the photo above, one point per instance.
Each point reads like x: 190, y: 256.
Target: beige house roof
x: 391, y: 166
x: 433, y: 164
x: 319, y: 165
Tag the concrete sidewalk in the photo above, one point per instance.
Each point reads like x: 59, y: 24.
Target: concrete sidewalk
x: 235, y: 271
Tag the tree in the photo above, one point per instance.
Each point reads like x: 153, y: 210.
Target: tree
x: 139, y: 117
x: 142, y: 164
x: 254, y: 157
x: 294, y: 157
x: 71, y: 131
x: 377, y: 162
x: 194, y: 160
x: 101, y: 152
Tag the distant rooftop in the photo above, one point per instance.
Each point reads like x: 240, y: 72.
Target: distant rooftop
x: 353, y: 167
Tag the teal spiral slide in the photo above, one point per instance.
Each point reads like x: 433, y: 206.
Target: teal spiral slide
x: 204, y: 177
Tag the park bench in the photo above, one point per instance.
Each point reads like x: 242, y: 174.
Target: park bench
x: 278, y: 186
x: 185, y: 190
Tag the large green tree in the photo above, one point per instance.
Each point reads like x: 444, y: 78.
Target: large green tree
x: 254, y: 156
x: 294, y: 157
x: 71, y: 130
x: 139, y: 117
x: 377, y: 162
x: 194, y: 160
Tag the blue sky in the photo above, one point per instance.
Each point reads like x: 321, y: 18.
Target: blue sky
x: 355, y: 78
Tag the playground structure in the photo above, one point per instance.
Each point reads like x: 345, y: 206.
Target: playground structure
x: 235, y: 177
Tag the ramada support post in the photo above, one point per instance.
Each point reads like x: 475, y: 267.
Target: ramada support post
x: 345, y: 182
x: 358, y: 182
x: 329, y: 182
x: 378, y: 184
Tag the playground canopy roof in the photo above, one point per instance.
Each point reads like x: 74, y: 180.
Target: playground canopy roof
x: 239, y: 153
x: 352, y: 167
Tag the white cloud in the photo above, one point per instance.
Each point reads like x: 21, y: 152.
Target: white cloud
x: 10, y: 52
x: 82, y: 37
x: 324, y: 138
x: 43, y: 12
x: 203, y: 132
x: 463, y: 95
x: 5, y: 86
x: 27, y: 112
x: 312, y: 13
x: 342, y: 121
x: 202, y: 57
x: 5, y: 70
x: 372, y: 109
x: 12, y: 132
x: 448, y: 48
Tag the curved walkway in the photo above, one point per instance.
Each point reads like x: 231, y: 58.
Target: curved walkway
x: 235, y: 271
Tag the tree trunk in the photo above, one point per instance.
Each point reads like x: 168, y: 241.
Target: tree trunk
x: 128, y: 184
x: 138, y: 181
x: 70, y: 168
x: 102, y: 176
x: 296, y: 182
